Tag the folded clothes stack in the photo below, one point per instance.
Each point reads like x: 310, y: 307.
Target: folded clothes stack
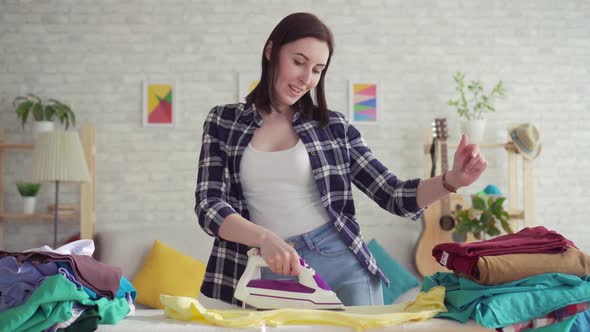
x: 65, y: 289
x: 515, y: 282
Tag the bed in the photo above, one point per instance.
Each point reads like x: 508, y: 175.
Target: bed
x: 127, y: 248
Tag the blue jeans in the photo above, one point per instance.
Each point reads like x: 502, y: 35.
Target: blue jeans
x: 324, y: 250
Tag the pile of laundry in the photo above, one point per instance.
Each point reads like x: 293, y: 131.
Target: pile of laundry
x: 531, y: 279
x: 65, y: 289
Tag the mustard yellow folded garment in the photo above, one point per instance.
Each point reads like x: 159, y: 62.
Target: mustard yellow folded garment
x: 426, y: 306
x: 494, y: 270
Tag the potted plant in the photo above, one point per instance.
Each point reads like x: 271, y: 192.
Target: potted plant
x: 472, y: 110
x: 43, y: 112
x: 483, y: 217
x: 29, y: 193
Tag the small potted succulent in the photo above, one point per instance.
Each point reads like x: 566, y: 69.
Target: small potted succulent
x: 29, y: 193
x: 43, y: 112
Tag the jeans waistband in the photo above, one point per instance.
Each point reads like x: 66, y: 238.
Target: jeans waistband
x: 307, y: 240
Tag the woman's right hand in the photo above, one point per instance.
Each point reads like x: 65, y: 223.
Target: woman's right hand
x: 279, y: 255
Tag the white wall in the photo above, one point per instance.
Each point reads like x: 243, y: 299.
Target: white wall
x: 94, y: 55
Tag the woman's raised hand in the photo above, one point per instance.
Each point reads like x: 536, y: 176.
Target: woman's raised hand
x: 468, y: 164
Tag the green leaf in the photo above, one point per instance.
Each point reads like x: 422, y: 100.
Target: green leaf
x: 463, y: 227
x: 38, y: 111
x: 479, y: 203
x: 493, y: 230
x: 506, y: 226
x: 23, y: 111
x: 49, y: 112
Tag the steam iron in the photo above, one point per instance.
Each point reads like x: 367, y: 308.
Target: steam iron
x: 309, y: 292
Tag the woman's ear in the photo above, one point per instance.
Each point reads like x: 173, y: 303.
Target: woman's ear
x: 267, y: 50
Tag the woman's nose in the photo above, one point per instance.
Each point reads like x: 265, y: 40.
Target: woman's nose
x: 305, y: 77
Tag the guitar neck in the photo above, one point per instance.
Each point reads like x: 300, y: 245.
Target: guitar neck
x: 444, y: 166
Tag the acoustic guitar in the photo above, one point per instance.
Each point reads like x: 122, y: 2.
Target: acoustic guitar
x: 438, y: 221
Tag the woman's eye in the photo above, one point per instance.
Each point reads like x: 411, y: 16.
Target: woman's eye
x: 298, y: 63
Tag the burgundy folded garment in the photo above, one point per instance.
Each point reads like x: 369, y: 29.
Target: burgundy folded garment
x: 463, y: 257
x: 101, y: 278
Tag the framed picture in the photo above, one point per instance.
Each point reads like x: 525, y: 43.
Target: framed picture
x: 364, y: 103
x: 246, y: 83
x: 159, y: 104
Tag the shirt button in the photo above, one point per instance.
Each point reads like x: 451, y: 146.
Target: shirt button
x: 303, y: 134
x: 324, y: 192
x: 366, y: 261
x: 312, y: 153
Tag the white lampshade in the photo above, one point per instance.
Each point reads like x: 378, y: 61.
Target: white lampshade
x: 58, y: 156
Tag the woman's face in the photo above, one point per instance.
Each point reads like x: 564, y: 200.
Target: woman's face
x: 301, y: 63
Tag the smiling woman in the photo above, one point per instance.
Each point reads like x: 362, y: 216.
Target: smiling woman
x: 276, y: 173
x: 300, y: 67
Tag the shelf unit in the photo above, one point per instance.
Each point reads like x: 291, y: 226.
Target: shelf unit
x: 87, y: 210
x: 527, y: 212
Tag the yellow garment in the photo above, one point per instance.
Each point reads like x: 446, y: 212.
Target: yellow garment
x: 426, y: 306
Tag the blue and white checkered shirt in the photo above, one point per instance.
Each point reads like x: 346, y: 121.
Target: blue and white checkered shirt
x: 338, y: 156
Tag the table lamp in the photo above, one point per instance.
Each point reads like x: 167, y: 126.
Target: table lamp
x: 58, y: 157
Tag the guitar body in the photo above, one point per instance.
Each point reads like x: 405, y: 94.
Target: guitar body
x: 437, y: 228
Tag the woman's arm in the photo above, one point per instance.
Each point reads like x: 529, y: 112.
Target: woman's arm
x: 377, y: 182
x: 432, y: 189
x: 468, y: 165
x: 211, y: 207
x: 280, y: 256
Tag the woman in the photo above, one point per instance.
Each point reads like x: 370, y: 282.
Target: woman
x: 276, y: 172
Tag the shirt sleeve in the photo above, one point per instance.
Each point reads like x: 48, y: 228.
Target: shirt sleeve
x: 377, y: 182
x: 211, y: 206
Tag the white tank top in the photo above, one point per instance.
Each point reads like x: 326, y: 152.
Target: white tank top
x: 280, y: 190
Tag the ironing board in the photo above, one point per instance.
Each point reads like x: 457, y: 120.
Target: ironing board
x: 155, y: 320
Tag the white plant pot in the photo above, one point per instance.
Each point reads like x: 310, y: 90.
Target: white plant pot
x: 41, y: 126
x: 29, y: 203
x: 474, y: 129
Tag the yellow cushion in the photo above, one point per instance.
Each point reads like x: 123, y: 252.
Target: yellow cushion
x: 167, y: 271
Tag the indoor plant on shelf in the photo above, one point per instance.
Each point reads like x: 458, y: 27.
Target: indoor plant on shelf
x: 29, y: 193
x: 43, y: 112
x: 472, y: 110
x: 483, y: 217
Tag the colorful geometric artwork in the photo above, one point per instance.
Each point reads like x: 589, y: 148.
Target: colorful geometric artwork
x: 364, y: 102
x: 159, y: 106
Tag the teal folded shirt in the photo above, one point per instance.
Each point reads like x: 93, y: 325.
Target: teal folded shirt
x: 505, y: 304
x: 52, y: 302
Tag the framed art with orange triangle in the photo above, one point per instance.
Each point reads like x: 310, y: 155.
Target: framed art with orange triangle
x: 159, y: 104
x: 364, y: 103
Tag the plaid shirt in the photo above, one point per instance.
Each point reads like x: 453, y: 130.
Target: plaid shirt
x: 553, y: 317
x: 338, y: 157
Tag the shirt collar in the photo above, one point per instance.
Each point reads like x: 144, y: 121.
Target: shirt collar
x: 249, y: 114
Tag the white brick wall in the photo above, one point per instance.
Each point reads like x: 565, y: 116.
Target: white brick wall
x: 94, y: 55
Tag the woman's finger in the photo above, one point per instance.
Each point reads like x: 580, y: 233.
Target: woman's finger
x: 481, y: 165
x: 473, y: 160
x: 286, y: 264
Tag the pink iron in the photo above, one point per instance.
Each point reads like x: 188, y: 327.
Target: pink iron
x: 310, y: 292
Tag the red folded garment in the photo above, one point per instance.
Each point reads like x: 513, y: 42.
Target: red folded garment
x: 463, y: 257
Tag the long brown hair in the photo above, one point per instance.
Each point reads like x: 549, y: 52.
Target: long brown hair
x: 292, y: 28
